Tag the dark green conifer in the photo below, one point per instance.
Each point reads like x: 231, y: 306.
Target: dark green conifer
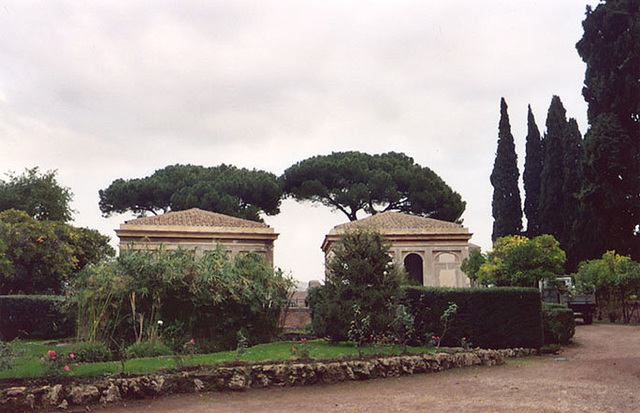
x: 532, y: 177
x: 506, y: 207
x: 610, y: 47
x: 572, y: 182
x: 552, y: 178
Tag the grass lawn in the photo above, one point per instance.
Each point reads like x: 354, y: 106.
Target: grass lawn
x: 26, y: 362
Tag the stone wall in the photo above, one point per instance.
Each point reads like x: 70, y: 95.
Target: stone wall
x: 239, y: 378
x: 295, y: 318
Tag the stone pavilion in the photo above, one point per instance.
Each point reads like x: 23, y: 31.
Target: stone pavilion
x: 198, y: 230
x: 430, y: 250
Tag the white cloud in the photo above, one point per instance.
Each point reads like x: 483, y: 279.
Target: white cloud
x: 100, y: 91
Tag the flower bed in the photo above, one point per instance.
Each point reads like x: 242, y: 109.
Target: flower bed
x: 239, y: 378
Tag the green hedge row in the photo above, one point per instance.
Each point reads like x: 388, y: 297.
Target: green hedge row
x: 558, y: 323
x: 488, y: 317
x: 35, y: 316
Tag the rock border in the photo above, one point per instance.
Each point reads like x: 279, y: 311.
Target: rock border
x: 241, y: 378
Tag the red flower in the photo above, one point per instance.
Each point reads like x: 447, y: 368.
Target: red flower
x: 51, y: 353
x: 371, y: 336
x: 304, y: 340
x: 53, y: 358
x: 66, y: 368
x: 72, y: 356
x: 192, y: 342
x: 77, y: 365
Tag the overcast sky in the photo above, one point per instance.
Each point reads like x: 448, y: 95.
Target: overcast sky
x: 119, y: 89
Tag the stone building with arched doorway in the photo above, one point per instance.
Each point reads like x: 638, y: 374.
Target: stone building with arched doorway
x: 430, y: 250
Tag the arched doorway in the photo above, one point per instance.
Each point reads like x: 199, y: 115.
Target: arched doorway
x: 413, y: 265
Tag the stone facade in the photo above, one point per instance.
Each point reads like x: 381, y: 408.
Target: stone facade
x: 198, y: 230
x: 430, y: 250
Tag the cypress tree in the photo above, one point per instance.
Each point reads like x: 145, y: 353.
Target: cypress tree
x: 609, y: 47
x: 506, y: 208
x: 572, y: 182
x: 532, y: 175
x: 551, y: 196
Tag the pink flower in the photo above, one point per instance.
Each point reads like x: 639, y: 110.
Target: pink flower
x: 77, y: 364
x: 66, y: 368
x: 371, y: 336
x: 192, y: 342
x: 51, y: 353
x: 72, y: 356
x: 304, y: 340
x: 53, y: 358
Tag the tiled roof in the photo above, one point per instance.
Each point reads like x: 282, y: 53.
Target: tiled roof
x: 397, y: 222
x: 196, y: 218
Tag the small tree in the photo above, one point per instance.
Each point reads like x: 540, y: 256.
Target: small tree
x: 42, y: 256
x: 38, y: 194
x: 360, y: 272
x: 520, y: 262
x: 615, y: 279
x: 403, y: 326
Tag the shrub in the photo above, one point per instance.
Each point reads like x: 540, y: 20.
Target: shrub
x: 558, y: 323
x: 35, y: 317
x: 360, y: 272
x: 92, y: 352
x: 147, y: 295
x: 147, y: 349
x: 489, y: 317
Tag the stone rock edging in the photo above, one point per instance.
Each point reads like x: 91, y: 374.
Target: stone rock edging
x: 240, y: 378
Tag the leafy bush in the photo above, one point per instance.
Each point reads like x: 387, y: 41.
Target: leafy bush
x: 616, y: 281
x: 519, y: 262
x: 92, y: 352
x: 489, y: 317
x: 35, y: 317
x: 146, y: 295
x: 558, y: 323
x: 360, y: 273
x: 147, y: 349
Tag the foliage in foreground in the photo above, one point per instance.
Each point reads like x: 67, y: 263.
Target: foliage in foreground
x: 487, y: 317
x: 39, y: 257
x: 558, y: 323
x: 35, y: 317
x: 517, y: 261
x: 29, y: 358
x: 175, y: 296
x: 615, y: 280
x: 362, y: 284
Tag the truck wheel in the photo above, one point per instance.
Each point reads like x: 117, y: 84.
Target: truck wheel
x: 587, y: 318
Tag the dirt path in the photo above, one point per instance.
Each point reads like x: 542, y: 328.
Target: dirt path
x: 601, y: 373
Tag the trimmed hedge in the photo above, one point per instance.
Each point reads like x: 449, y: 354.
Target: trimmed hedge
x: 36, y: 317
x: 505, y: 317
x: 558, y: 323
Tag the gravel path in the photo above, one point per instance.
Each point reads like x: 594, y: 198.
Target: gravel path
x: 600, y: 373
